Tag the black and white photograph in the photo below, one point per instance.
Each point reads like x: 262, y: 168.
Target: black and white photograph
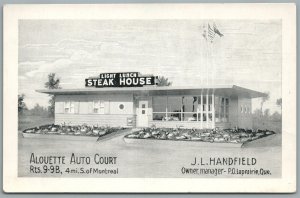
x: 161, y: 98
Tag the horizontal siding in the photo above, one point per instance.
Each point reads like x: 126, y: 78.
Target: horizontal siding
x: 85, y: 103
x: 93, y: 119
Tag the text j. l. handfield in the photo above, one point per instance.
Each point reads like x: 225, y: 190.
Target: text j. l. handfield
x: 244, y: 161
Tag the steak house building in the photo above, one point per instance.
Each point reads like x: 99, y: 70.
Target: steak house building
x: 187, y: 107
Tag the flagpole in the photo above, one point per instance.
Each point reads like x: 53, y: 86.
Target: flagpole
x: 207, y: 77
x: 202, y: 56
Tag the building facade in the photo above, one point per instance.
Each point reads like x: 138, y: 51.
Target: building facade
x: 170, y: 107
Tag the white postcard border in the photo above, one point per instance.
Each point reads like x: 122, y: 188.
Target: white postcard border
x: 13, y: 13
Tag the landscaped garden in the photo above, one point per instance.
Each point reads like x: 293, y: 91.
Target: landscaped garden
x: 79, y: 130
x: 235, y: 135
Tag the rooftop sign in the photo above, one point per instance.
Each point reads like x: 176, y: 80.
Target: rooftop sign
x: 128, y: 79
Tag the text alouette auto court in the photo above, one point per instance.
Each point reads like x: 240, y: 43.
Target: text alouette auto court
x: 139, y: 102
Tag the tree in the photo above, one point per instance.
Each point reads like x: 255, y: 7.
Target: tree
x: 163, y: 81
x: 267, y: 113
x: 52, y: 83
x: 38, y: 110
x: 51, y: 107
x: 257, y: 119
x: 256, y: 113
x: 276, y: 117
x: 263, y: 100
x: 21, y: 104
x: 279, y: 102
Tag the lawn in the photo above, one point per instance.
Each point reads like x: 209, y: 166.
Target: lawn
x: 275, y: 126
x: 28, y: 121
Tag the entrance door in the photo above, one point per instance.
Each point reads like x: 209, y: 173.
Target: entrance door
x: 142, y: 114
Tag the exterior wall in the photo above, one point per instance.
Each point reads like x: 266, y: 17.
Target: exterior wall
x: 183, y: 124
x: 245, y: 117
x: 233, y: 112
x: 83, y: 113
x: 93, y: 120
x: 114, y: 116
x: 223, y: 125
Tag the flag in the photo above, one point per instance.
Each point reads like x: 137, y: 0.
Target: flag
x: 209, y: 32
x: 216, y: 30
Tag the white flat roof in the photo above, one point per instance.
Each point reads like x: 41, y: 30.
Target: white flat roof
x: 163, y: 90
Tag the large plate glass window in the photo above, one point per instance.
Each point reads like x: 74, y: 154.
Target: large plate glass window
x: 174, y: 109
x: 159, y: 108
x: 221, y: 109
x: 183, y: 108
x: 189, y: 108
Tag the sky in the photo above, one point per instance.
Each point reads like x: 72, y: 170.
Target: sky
x: 248, y: 55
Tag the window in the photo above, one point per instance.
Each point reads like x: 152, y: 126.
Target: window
x: 204, y: 117
x: 226, y: 109
x: 217, y: 108
x: 189, y: 108
x: 245, y: 109
x: 209, y: 103
x: 174, y: 104
x: 98, y: 106
x: 69, y: 107
x: 182, y: 108
x: 221, y: 109
x: 174, y: 109
x: 121, y: 106
x: 210, y: 117
x: 159, y: 104
x: 204, y: 103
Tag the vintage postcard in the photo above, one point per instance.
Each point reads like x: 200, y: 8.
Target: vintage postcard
x: 150, y: 98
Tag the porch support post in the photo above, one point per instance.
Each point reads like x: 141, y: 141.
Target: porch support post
x: 206, y: 109
x: 167, y: 108
x: 197, y: 109
x: 201, y: 110
x: 181, y: 109
x: 213, y: 109
x: 224, y: 110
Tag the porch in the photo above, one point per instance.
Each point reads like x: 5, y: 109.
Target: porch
x: 186, y: 111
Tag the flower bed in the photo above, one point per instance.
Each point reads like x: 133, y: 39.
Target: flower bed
x: 80, y: 130
x: 235, y: 136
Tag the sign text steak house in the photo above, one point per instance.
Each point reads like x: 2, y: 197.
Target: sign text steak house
x: 129, y: 79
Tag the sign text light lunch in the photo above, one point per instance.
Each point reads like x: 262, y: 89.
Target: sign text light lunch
x: 128, y: 79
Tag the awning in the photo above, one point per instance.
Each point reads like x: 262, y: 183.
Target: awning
x: 160, y: 91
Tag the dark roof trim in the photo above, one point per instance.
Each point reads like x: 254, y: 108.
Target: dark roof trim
x: 222, y: 89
